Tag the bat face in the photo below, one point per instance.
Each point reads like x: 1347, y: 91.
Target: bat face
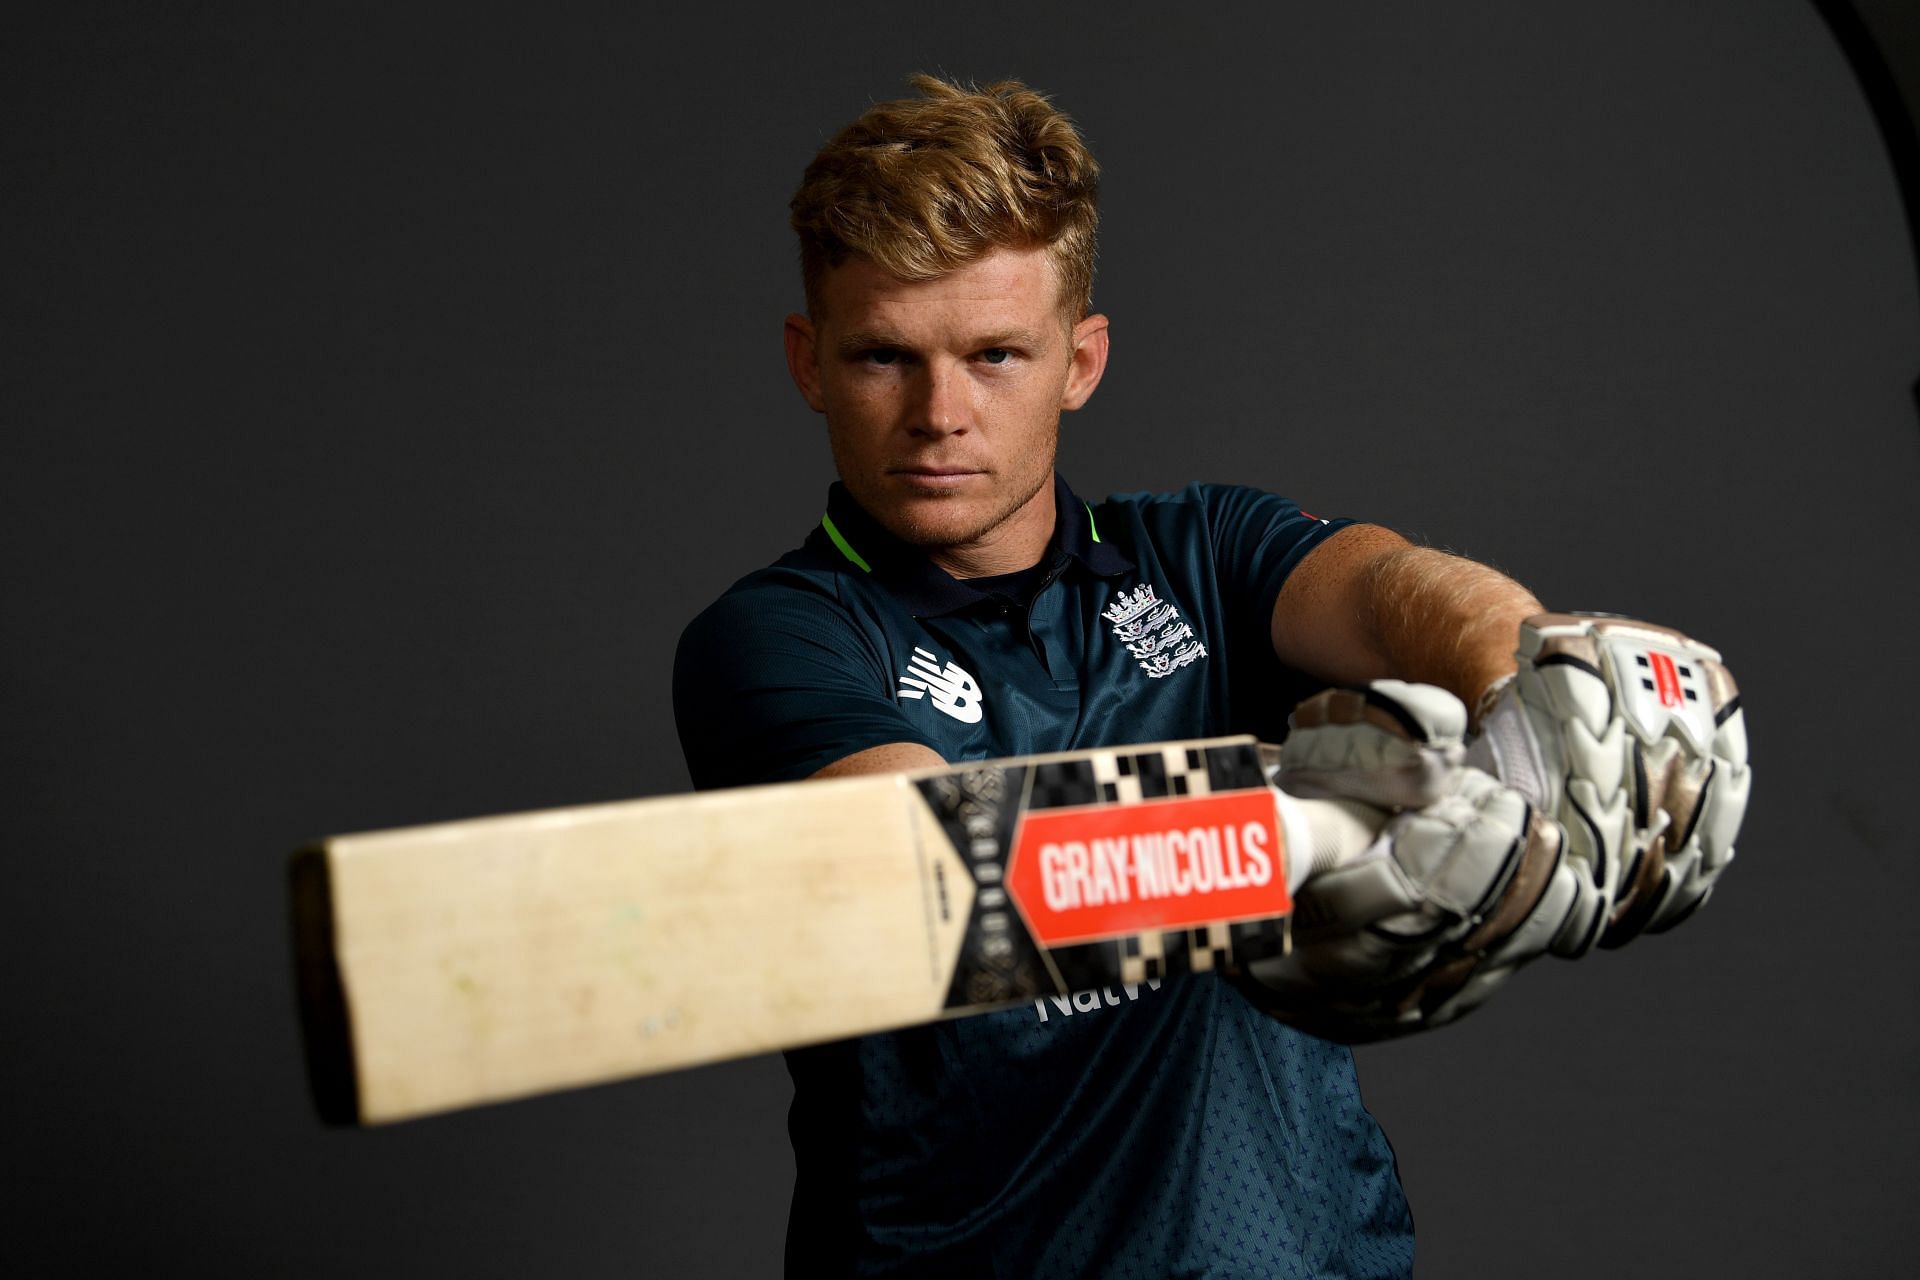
x: 470, y: 962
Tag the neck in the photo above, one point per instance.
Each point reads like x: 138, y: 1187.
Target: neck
x: 1016, y: 543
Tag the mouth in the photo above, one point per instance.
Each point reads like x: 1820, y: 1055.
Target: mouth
x: 934, y: 477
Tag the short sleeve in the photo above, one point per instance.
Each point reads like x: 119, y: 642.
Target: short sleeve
x: 773, y: 683
x: 1258, y: 540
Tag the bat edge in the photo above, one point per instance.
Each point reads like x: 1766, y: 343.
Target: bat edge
x: 326, y: 1027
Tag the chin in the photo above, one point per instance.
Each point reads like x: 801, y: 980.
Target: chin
x: 937, y: 524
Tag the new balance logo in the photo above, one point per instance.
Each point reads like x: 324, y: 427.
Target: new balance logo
x: 953, y: 690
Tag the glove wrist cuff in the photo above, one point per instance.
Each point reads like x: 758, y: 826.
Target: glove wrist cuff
x: 1483, y: 706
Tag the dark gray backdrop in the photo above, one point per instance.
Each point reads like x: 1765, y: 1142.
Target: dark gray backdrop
x: 382, y: 394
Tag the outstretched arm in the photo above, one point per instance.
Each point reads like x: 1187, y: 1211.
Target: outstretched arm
x: 1628, y: 734
x: 1367, y: 604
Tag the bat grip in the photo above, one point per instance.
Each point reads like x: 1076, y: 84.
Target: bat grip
x: 1323, y: 834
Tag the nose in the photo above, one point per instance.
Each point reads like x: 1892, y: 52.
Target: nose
x: 946, y: 407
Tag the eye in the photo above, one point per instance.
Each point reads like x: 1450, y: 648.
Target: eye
x: 996, y: 355
x: 881, y: 355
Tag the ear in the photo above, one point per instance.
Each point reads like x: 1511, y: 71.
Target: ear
x: 1089, y: 361
x: 803, y: 363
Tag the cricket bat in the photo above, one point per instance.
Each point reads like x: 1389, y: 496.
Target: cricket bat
x: 463, y: 963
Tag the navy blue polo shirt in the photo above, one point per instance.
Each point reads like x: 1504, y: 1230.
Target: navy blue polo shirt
x: 1162, y: 1130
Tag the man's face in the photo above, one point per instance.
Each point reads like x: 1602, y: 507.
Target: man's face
x: 943, y: 399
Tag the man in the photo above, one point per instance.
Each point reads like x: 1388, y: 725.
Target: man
x: 958, y: 601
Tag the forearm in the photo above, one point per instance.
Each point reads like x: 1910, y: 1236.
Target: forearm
x: 893, y: 757
x: 1440, y: 619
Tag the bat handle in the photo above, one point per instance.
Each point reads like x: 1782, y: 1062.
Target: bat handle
x: 1322, y: 834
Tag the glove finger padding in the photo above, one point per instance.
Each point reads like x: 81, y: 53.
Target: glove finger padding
x: 1632, y: 736
x: 1392, y: 744
x: 1466, y: 883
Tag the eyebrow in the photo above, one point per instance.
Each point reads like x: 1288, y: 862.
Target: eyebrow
x: 854, y: 343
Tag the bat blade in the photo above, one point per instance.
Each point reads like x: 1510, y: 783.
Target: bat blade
x: 470, y: 962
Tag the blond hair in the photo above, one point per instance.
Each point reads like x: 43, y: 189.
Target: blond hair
x: 922, y: 186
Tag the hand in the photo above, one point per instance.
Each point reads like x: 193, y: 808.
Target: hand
x: 1466, y: 883
x: 1631, y: 735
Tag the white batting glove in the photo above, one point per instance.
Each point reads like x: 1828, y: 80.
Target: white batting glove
x: 1631, y: 735
x: 1465, y: 883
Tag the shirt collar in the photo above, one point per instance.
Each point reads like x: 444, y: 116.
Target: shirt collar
x: 849, y: 533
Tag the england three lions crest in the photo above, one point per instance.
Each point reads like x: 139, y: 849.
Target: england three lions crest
x: 1153, y: 632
